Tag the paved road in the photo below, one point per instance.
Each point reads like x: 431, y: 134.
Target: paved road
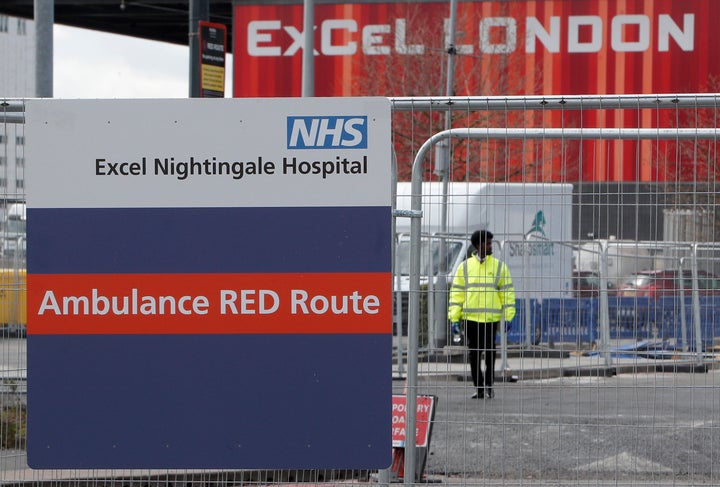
x: 653, y: 427
x: 569, y: 420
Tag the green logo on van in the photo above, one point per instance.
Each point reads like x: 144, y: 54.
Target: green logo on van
x: 538, y: 224
x: 540, y: 245
x: 535, y: 242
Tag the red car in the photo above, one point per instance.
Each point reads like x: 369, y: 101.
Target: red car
x: 586, y: 284
x: 668, y: 283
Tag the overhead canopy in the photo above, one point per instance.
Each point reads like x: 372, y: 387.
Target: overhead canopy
x: 158, y: 20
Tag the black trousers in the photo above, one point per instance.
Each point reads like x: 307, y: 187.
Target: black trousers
x: 481, y: 339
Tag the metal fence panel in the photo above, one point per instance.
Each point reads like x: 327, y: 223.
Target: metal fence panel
x: 597, y: 397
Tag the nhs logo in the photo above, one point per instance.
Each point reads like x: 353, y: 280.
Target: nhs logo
x: 349, y: 132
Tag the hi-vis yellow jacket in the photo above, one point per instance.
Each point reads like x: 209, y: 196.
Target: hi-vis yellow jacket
x: 482, y: 291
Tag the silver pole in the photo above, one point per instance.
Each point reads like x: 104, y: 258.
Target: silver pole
x: 696, y: 304
x: 396, y: 269
x: 442, y: 168
x: 580, y: 133
x: 504, y: 365
x: 604, y: 318
x: 452, y: 51
x: 526, y: 298
x: 416, y: 209
x: 414, y: 312
x: 308, y: 60
x: 44, y: 20
x: 683, y: 319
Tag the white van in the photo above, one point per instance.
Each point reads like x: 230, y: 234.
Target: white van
x: 531, y: 223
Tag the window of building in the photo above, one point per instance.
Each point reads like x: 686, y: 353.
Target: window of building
x: 21, y: 27
x: 3, y: 160
x: 20, y: 161
x: 20, y: 183
x: 19, y: 140
x: 4, y: 19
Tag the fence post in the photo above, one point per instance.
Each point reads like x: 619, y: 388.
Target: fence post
x: 396, y: 267
x: 683, y: 319
x: 696, y: 304
x: 604, y: 318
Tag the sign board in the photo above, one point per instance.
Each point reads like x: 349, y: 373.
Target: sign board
x: 423, y: 420
x: 209, y: 283
x: 425, y: 406
x: 213, y: 45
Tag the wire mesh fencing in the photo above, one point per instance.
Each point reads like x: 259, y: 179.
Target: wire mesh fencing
x: 607, y: 224
x: 604, y: 209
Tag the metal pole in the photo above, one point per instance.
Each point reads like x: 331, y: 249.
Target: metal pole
x: 579, y: 133
x: 396, y: 270
x: 308, y: 65
x: 442, y: 153
x: 442, y: 169
x: 198, y: 10
x: 413, y: 315
x: 696, y: 305
x: 452, y: 51
x: 529, y: 332
x: 683, y: 319
x: 504, y: 365
x: 604, y: 318
x: 416, y: 211
x: 44, y: 20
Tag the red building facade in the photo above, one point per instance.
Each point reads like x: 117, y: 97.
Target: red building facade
x: 540, y: 47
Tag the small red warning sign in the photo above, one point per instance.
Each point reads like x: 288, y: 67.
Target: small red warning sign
x: 425, y: 406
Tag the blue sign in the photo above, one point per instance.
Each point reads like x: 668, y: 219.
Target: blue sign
x: 211, y: 303
x: 349, y: 132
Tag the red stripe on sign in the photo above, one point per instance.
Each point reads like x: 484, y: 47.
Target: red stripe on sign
x: 209, y: 303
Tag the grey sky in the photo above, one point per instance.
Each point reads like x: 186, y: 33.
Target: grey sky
x: 89, y: 64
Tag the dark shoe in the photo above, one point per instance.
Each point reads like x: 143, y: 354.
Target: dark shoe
x: 489, y: 393
x: 478, y: 395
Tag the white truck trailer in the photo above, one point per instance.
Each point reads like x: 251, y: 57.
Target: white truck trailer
x: 531, y: 223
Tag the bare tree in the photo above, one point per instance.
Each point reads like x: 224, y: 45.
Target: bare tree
x: 422, y: 73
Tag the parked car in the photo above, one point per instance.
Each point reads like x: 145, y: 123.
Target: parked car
x: 586, y: 284
x: 660, y: 283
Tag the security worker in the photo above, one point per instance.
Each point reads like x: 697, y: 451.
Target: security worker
x: 482, y: 294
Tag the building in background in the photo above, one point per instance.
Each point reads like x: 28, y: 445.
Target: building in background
x: 17, y: 80
x: 540, y: 47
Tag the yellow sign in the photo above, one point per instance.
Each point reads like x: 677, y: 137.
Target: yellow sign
x: 212, y: 77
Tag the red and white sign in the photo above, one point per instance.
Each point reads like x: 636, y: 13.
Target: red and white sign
x: 423, y: 420
x: 545, y: 46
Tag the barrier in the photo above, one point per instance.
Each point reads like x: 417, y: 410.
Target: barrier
x: 569, y: 320
x: 630, y: 318
x: 519, y: 330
